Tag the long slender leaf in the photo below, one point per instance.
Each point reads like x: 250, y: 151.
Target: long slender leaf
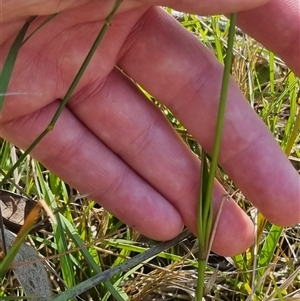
x: 10, y: 61
x: 269, y: 246
x: 205, y: 209
x: 79, y: 243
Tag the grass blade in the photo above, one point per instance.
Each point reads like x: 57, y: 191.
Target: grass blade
x: 205, y: 210
x: 10, y: 61
x: 50, y: 18
x: 79, y: 243
x: 268, y: 249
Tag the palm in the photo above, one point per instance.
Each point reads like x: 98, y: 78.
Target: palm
x: 60, y: 48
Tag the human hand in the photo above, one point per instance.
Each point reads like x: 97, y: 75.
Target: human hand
x: 111, y: 141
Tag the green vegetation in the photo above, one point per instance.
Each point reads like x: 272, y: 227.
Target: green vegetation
x: 86, y: 239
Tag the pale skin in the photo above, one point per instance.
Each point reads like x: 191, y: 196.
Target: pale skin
x: 111, y: 141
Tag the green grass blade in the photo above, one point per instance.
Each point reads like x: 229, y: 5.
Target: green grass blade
x: 5, y: 155
x: 201, y: 218
x: 59, y: 235
x: 128, y: 245
x: 293, y: 124
x: 217, y: 35
x: 222, y: 106
x: 10, y: 61
x: 293, y: 136
x: 91, y: 262
x: 274, y: 108
x: 50, y: 18
x: 205, y: 197
x: 268, y: 248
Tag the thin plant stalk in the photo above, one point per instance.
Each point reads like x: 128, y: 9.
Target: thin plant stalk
x: 70, y: 91
x: 205, y: 206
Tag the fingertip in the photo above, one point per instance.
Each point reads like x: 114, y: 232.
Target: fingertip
x: 162, y: 229
x: 235, y: 231
x: 280, y: 202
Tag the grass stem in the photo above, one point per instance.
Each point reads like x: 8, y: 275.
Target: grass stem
x: 205, y: 206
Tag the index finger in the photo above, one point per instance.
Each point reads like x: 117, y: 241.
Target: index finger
x: 187, y: 78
